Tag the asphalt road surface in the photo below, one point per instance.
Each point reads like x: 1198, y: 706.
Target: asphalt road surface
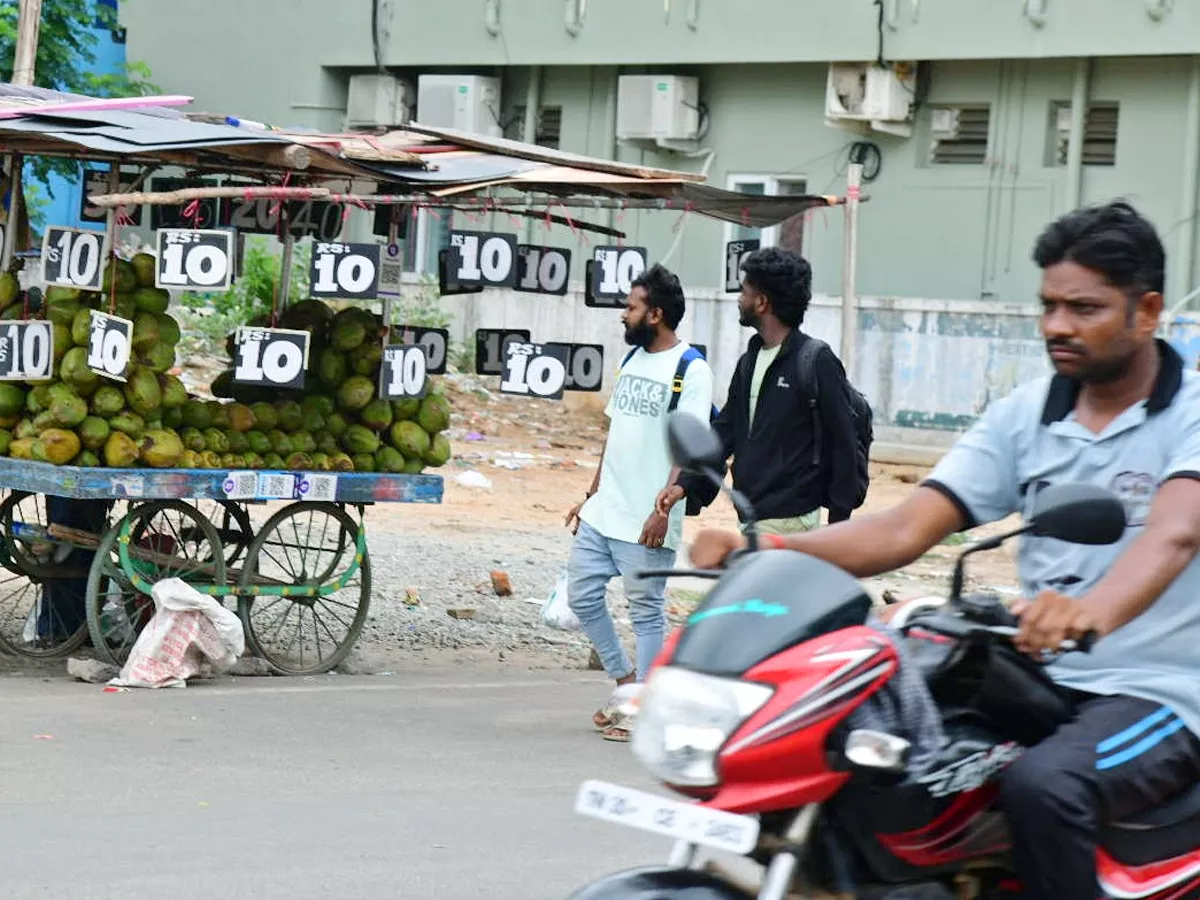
x: 446, y: 783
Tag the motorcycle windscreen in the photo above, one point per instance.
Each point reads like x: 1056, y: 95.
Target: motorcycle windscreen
x: 766, y: 604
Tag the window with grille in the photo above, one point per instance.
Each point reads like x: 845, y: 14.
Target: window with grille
x: 1100, y: 125
x: 960, y: 135
x: 549, y: 125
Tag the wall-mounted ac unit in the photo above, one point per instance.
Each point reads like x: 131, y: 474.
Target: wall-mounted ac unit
x: 378, y: 101
x: 865, y: 95
x: 658, y: 107
x: 464, y: 102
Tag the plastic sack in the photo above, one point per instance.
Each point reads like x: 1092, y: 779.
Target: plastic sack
x: 190, y: 634
x: 556, y: 612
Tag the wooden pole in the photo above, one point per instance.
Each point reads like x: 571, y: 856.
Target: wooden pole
x: 29, y: 20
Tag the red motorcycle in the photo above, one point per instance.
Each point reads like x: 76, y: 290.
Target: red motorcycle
x: 747, y: 712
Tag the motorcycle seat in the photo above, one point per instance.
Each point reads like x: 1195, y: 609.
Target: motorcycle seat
x: 1162, y: 832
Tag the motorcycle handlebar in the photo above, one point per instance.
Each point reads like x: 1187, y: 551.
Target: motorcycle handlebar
x: 1083, y: 645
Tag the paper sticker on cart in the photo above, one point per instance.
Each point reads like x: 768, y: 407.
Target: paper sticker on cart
x: 316, y: 487
x: 240, y: 485
x: 276, y: 486
x: 682, y: 821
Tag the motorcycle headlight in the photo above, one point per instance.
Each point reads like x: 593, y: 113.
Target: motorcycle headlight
x: 683, y: 720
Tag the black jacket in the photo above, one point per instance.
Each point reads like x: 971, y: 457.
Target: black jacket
x: 773, y: 462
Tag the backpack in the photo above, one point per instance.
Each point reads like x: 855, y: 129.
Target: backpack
x: 860, y: 412
x: 696, y: 500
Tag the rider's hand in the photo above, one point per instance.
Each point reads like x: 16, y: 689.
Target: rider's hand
x: 1051, y: 619
x: 654, y: 532
x: 667, y: 498
x: 713, y: 547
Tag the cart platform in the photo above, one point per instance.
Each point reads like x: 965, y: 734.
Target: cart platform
x: 87, y: 483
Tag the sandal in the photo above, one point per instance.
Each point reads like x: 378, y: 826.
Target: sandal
x: 620, y: 731
x: 604, y: 718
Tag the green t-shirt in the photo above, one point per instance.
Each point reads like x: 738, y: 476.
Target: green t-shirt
x: 761, y: 364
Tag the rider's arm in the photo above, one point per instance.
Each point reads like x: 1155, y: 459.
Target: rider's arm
x: 1167, y: 544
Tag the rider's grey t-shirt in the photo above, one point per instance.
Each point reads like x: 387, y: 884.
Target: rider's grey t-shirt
x: 1029, y: 440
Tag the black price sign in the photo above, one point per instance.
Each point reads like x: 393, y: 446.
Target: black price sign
x: 26, y: 350
x: 535, y: 370
x: 205, y: 213
x: 585, y: 367
x: 484, y: 258
x: 73, y: 256
x: 109, y: 342
x: 491, y: 348
x: 542, y: 270
x: 402, y: 372
x: 199, y: 260
x: 319, y: 219
x: 434, y: 341
x: 614, y: 269
x: 99, y: 181
x: 735, y: 253
x: 272, y: 357
x: 344, y: 270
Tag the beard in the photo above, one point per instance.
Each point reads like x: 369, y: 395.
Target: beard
x: 640, y: 335
x: 748, y: 318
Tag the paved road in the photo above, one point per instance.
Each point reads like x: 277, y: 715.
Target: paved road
x: 444, y: 784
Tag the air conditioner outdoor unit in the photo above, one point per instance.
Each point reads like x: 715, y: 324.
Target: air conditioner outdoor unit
x: 658, y: 107
x: 378, y: 101
x: 464, y: 102
x: 865, y: 94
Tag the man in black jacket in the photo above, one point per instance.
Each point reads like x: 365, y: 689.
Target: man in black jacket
x: 766, y: 424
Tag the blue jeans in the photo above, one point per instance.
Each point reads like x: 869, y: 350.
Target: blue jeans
x: 594, y: 561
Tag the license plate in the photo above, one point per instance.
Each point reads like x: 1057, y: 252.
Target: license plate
x: 683, y: 821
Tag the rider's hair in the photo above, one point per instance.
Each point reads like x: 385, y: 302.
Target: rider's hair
x: 664, y: 292
x: 1113, y: 239
x: 785, y: 278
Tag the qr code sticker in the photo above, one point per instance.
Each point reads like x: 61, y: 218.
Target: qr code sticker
x: 240, y: 485
x: 276, y: 487
x: 322, y: 487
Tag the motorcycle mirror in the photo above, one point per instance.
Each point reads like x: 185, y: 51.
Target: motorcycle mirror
x: 877, y: 750
x: 694, y: 446
x: 1078, y: 513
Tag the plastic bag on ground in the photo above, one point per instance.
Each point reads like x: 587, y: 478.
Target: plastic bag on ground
x: 556, y: 612
x: 190, y: 634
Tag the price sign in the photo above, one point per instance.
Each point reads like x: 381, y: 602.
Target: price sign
x: 402, y: 372
x: 26, y: 350
x: 485, y: 258
x: 99, y: 181
x: 613, y: 272
x: 491, y: 348
x: 319, y: 219
x: 535, y: 370
x: 198, y: 260
x: 73, y: 256
x: 109, y: 342
x: 542, y: 270
x: 344, y: 270
x: 204, y: 213
x: 273, y: 357
x: 448, y: 283
x: 735, y: 253
x: 434, y: 341
x: 585, y: 367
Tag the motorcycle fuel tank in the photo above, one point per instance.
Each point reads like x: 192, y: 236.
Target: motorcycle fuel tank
x: 765, y: 604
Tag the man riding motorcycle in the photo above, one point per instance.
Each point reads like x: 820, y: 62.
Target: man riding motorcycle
x: 1122, y: 413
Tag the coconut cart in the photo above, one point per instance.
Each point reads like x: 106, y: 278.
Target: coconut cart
x: 81, y: 546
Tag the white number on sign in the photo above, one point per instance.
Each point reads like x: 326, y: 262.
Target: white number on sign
x: 735, y: 253
x: 585, y: 369
x: 543, y: 270
x: 270, y: 356
x: 484, y: 257
x: 403, y: 372
x: 345, y: 270
x: 196, y: 259
x: 491, y: 347
x: 108, y: 345
x: 255, y: 216
x: 537, y: 369
x: 26, y: 350
x: 618, y: 269
x: 72, y: 256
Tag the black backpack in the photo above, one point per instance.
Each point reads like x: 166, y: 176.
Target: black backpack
x: 860, y: 411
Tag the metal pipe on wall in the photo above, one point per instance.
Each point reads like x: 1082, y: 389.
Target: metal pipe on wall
x: 1079, y: 101
x: 1185, y: 257
x: 533, y: 104
x: 849, y: 264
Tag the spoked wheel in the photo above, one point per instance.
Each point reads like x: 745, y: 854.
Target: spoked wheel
x: 167, y: 539
x: 305, y: 545
x: 43, y: 585
x: 232, y: 524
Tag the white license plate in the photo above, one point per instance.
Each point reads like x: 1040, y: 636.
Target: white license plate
x: 683, y: 821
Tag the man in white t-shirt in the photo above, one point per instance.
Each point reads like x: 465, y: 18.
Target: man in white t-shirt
x: 617, y: 529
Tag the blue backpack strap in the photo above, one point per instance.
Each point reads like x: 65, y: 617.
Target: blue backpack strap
x: 685, y: 360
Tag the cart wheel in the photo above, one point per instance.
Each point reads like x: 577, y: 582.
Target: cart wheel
x: 233, y: 526
x: 305, y: 545
x: 43, y: 585
x: 180, y: 543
